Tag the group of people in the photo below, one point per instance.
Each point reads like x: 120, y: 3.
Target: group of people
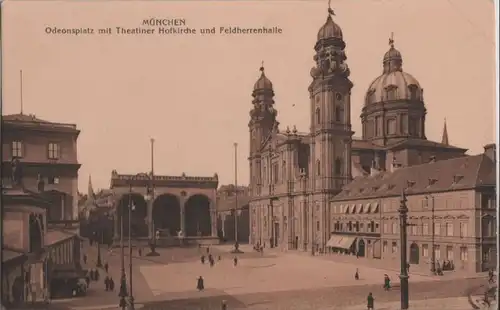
x: 211, y: 259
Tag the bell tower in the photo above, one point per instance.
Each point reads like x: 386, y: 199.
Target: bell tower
x: 262, y: 122
x: 330, y: 95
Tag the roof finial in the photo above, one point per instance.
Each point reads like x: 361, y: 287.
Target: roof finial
x: 330, y: 11
x: 262, y: 66
x: 391, y: 40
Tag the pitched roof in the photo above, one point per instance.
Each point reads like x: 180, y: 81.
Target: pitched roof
x: 23, y: 118
x: 424, y: 143
x: 452, y: 174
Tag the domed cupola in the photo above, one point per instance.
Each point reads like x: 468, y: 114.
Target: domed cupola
x: 330, y: 29
x: 399, y: 95
x: 263, y: 83
x: 330, y: 34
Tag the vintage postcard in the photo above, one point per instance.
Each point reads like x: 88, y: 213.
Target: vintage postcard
x: 249, y: 154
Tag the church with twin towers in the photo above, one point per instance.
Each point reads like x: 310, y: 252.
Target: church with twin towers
x: 295, y: 174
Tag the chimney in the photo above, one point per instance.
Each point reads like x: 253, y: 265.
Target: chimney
x: 432, y: 159
x: 490, y: 150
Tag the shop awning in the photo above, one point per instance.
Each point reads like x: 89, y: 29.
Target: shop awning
x: 340, y: 242
x: 333, y: 242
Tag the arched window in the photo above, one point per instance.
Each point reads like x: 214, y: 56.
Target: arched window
x: 318, y: 167
x: 413, y: 92
x: 339, y: 114
x: 318, y: 116
x: 338, y: 166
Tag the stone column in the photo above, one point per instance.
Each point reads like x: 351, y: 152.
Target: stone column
x: 213, y: 219
x: 117, y: 223
x: 182, y: 201
x: 149, y: 218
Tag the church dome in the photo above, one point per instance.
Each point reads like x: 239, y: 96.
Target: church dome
x: 263, y: 82
x: 330, y: 30
x: 394, y: 83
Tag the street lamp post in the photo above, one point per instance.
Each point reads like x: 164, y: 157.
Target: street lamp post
x: 98, y: 241
x: 433, y: 234
x: 403, y: 216
x: 123, y: 280
x: 131, y: 208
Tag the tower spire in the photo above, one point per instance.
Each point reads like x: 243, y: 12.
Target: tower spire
x: 21, y: 90
x: 330, y: 10
x: 90, y: 190
x: 391, y: 40
x: 444, y: 139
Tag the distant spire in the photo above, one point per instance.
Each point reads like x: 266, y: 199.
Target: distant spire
x: 444, y: 139
x: 391, y: 40
x: 90, y: 193
x: 21, y: 90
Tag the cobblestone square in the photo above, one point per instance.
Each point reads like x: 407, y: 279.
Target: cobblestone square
x: 282, y: 273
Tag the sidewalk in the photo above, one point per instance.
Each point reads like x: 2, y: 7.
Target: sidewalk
x: 460, y: 303
x: 421, y: 270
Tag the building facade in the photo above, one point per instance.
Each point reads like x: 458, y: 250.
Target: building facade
x: 233, y: 213
x: 47, y: 152
x: 33, y: 254
x: 294, y: 175
x: 182, y: 206
x: 452, y: 214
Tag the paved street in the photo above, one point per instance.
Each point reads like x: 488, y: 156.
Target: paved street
x: 272, y: 281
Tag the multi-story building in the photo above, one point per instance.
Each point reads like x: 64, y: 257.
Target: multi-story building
x: 232, y: 213
x: 47, y: 152
x: 452, y: 213
x: 294, y: 175
x: 34, y: 256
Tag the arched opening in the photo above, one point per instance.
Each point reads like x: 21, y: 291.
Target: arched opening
x: 61, y: 205
x: 18, y: 290
x: 414, y: 254
x: 167, y: 214
x: 338, y: 166
x: 139, y: 211
x: 197, y: 216
x: 35, y: 233
x: 361, y: 248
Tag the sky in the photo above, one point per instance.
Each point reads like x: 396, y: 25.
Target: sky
x: 192, y: 93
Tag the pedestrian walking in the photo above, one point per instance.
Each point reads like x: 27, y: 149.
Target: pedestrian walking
x: 387, y: 282
x: 370, y: 302
x: 106, y: 267
x: 111, y: 284
x: 200, y: 284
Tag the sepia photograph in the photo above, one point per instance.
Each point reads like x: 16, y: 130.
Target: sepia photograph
x: 281, y: 155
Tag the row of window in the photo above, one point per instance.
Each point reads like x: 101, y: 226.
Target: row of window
x: 276, y: 177
x: 339, y: 115
x: 424, y: 230
x: 425, y: 251
x: 53, y: 150
x: 371, y: 226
